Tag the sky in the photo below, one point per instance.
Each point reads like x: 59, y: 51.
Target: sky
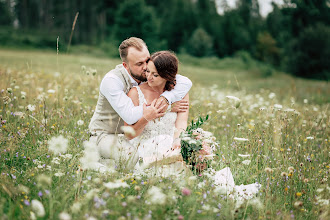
x: 265, y: 5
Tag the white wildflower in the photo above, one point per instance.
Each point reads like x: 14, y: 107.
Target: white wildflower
x: 278, y: 106
x: 305, y: 101
x: 56, y: 160
x: 271, y: 95
x: 33, y: 216
x: 246, y: 162
x: 51, y: 91
x: 240, y: 139
x: 59, y: 174
x: 23, y: 93
x: 58, y: 144
x: 233, y: 98
x: 80, y: 122
x: 31, y: 107
x: 91, y: 156
x: 9, y: 90
x: 64, y: 216
x: 244, y: 155
x: 268, y: 170
x: 128, y: 130
x: 76, y: 207
x: 38, y: 208
x: 116, y: 184
x: 323, y: 202
x: 156, y: 196
x: 310, y: 138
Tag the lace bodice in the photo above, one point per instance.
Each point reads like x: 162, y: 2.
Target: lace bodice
x: 161, y: 126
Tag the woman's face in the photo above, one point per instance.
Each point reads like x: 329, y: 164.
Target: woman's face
x: 154, y: 79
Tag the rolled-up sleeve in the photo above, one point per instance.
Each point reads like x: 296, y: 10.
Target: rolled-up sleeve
x: 182, y: 87
x: 113, y: 89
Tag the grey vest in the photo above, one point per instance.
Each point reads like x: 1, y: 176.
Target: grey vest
x: 105, y: 118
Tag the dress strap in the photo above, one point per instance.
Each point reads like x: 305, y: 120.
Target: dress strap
x: 141, y: 96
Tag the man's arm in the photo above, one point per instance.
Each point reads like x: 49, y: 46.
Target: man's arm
x: 113, y: 89
x: 182, y: 87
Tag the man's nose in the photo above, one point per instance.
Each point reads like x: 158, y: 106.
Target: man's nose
x: 145, y: 66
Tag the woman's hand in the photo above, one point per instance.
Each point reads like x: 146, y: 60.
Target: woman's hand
x: 152, y: 112
x: 177, y: 143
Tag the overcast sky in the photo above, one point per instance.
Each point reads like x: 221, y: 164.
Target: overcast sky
x: 265, y: 5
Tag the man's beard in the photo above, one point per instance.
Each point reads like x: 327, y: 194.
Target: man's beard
x: 141, y: 77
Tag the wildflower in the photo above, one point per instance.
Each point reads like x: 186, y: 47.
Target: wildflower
x: 116, y: 184
x: 76, y: 207
x: 236, y: 100
x: 310, y: 138
x: 38, y: 208
x: 31, y: 108
x: 240, y: 139
x: 186, y: 191
x: 51, y: 91
x: 268, y: 170
x: 298, y: 204
x: 23, y: 188
x: 64, y: 216
x: 58, y: 144
x: 80, y: 122
x: 290, y: 169
x: 284, y: 174
x: 6, y: 100
x: 91, y: 156
x: 128, y: 130
x: 244, y: 155
x: 246, y: 162
x: 83, y: 68
x: 59, y: 174
x: 298, y: 194
x: 156, y: 196
x: 271, y: 95
x: 278, y: 106
x: 9, y: 90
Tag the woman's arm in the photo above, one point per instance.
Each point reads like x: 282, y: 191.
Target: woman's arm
x: 180, y: 124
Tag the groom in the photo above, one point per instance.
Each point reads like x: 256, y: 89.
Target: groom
x: 114, y: 106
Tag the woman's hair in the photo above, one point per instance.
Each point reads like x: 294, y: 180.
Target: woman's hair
x: 166, y: 64
x: 130, y: 42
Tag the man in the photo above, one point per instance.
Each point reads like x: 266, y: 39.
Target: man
x: 114, y: 106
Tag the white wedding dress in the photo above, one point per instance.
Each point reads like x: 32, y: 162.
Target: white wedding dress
x: 157, y: 157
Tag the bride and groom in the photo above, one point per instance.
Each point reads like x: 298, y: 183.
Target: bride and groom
x: 139, y: 93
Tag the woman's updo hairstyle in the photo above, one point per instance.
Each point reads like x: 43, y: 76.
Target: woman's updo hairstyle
x: 166, y: 64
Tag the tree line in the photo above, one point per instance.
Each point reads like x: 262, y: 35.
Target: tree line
x: 294, y: 37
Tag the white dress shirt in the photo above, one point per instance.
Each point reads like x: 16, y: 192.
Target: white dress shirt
x: 113, y: 89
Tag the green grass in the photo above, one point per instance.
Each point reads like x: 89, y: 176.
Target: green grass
x: 295, y: 135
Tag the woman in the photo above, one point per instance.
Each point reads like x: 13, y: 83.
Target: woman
x: 158, y: 142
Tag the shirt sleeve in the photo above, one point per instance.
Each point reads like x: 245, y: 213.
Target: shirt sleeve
x: 113, y: 89
x: 182, y: 87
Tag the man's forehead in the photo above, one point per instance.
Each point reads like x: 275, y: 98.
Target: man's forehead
x: 136, y: 55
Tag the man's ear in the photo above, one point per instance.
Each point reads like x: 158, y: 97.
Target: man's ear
x: 126, y: 66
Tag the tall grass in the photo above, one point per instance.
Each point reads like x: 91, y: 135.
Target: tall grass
x: 284, y: 119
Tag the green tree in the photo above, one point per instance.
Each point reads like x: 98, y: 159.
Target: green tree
x: 200, y: 43
x: 6, y: 17
x: 135, y: 18
x: 266, y: 49
x: 309, y: 54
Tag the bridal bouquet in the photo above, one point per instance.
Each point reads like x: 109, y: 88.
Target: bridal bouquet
x: 197, y: 145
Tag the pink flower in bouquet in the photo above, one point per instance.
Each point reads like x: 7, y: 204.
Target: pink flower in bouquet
x: 197, y: 135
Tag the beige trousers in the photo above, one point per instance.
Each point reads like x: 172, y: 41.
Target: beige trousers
x: 115, y: 150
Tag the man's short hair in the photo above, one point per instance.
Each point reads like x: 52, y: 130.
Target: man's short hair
x: 130, y: 42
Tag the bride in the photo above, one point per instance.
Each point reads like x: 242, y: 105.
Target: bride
x: 158, y: 142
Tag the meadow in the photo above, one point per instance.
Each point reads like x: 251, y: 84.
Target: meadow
x: 276, y: 134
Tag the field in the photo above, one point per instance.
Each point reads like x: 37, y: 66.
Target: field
x: 280, y: 123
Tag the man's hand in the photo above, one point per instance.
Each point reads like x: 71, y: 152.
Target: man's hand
x: 180, y: 106
x: 152, y: 112
x: 161, y: 101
